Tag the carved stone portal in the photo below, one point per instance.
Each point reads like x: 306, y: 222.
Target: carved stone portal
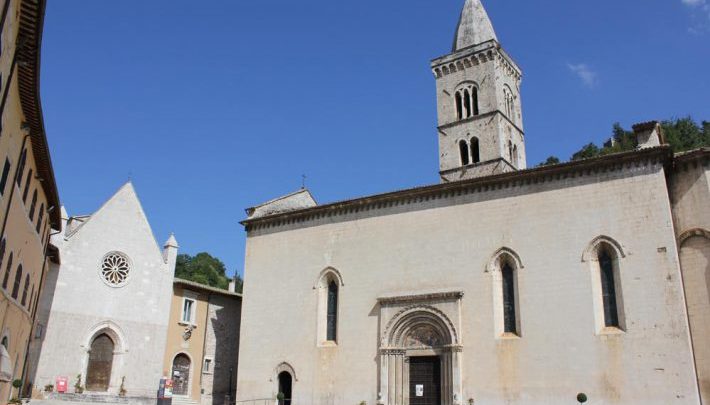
x: 419, y: 326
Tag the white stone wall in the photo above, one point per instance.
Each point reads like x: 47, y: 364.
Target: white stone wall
x: 446, y: 245
x: 79, y: 304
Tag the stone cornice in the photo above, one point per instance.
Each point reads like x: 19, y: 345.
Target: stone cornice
x: 473, y: 56
x: 474, y: 118
x: 538, y: 175
x: 426, y: 297
x: 29, y: 42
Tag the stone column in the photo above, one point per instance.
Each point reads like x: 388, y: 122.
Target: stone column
x: 457, y: 361
x: 405, y: 381
x: 384, y: 383
x: 399, y: 361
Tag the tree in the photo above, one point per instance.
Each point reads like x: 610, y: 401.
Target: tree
x: 588, y: 151
x: 205, y: 269
x: 552, y: 160
x: 681, y: 135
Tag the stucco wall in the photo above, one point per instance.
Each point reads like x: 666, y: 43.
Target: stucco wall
x: 690, y: 191
x: 446, y: 244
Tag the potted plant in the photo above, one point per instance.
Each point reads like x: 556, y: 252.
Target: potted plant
x: 48, y: 388
x: 281, y: 397
x: 78, y: 388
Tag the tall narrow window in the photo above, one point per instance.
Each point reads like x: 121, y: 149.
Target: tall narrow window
x: 515, y: 156
x: 6, y: 278
x: 463, y: 148
x: 510, y: 322
x: 188, y: 307
x: 459, y: 105
x: 332, y: 328
x: 27, y: 187
x: 18, y: 281
x: 40, y: 217
x: 32, y: 300
x: 606, y: 270
x: 510, y: 151
x: 25, y: 290
x: 21, y: 168
x: 33, y: 206
x: 467, y: 103
x: 475, y: 150
x: 474, y: 98
x: 5, y: 175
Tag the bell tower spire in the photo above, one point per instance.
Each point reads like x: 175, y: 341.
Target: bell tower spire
x: 478, y: 102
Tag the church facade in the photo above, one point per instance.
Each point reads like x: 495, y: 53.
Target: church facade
x: 500, y: 285
x: 103, y: 314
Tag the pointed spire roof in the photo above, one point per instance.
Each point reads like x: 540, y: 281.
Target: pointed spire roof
x: 171, y: 242
x: 474, y: 26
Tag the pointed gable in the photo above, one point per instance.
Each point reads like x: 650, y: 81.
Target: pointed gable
x: 120, y: 221
x: 474, y: 26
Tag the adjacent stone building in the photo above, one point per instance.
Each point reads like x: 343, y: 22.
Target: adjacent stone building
x: 103, y: 314
x: 501, y: 285
x: 29, y: 202
x: 203, y: 343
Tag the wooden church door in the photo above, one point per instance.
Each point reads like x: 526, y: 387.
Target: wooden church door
x: 98, y: 373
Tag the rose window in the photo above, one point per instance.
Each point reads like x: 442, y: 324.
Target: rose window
x: 115, y: 268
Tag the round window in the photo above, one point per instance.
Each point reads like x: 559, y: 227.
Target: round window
x: 115, y: 269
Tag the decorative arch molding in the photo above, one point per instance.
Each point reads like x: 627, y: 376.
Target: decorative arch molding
x: 328, y: 271
x: 592, y: 250
x: 284, y: 366
x: 507, y: 254
x: 412, y: 317
x: 113, y: 331
x: 701, y: 232
x: 465, y: 83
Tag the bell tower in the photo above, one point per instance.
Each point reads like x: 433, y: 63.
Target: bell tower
x: 478, y: 101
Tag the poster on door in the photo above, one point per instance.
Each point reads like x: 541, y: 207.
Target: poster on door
x: 419, y: 390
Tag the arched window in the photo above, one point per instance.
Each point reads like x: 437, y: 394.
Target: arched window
x: 608, y: 284
x: 33, y: 206
x: 21, y: 168
x: 510, y: 323
x: 467, y: 103
x: 332, y: 327
x: 25, y: 290
x: 5, y: 342
x: 26, y: 192
x: 286, y: 387
x: 40, y: 217
x: 459, y: 106
x: 463, y: 148
x: 504, y: 268
x: 474, y: 100
x: 6, y: 279
x: 18, y: 281
x: 475, y: 150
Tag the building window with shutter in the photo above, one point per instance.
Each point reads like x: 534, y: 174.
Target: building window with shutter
x: 188, y: 311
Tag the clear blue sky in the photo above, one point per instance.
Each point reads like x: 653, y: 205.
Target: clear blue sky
x: 215, y: 106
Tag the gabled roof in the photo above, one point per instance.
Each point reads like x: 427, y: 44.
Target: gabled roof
x: 290, y: 202
x: 201, y: 287
x: 474, y: 26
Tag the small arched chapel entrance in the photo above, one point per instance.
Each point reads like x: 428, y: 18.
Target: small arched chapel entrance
x: 181, y: 375
x: 420, y: 349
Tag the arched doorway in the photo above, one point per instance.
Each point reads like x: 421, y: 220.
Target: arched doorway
x: 286, y: 387
x: 181, y: 375
x: 98, y: 373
